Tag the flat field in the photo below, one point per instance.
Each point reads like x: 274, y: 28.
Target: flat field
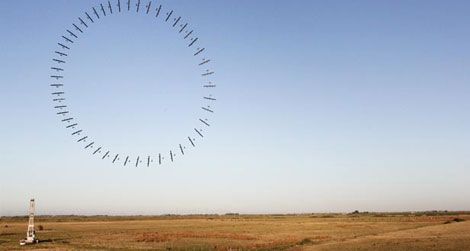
x: 360, y: 231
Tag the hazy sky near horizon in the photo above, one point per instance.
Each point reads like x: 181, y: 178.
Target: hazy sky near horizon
x: 322, y: 106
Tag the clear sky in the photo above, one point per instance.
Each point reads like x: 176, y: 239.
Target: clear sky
x: 321, y: 106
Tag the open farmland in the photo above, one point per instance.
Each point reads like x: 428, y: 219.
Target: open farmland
x: 362, y: 231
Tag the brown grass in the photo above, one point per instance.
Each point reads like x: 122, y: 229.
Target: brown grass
x: 363, y: 231
x: 162, y: 237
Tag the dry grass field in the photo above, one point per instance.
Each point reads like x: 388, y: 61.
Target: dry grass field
x: 363, y: 231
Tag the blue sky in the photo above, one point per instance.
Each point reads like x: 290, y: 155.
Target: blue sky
x: 322, y: 106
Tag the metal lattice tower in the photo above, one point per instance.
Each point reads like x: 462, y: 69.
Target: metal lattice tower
x: 31, y: 233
